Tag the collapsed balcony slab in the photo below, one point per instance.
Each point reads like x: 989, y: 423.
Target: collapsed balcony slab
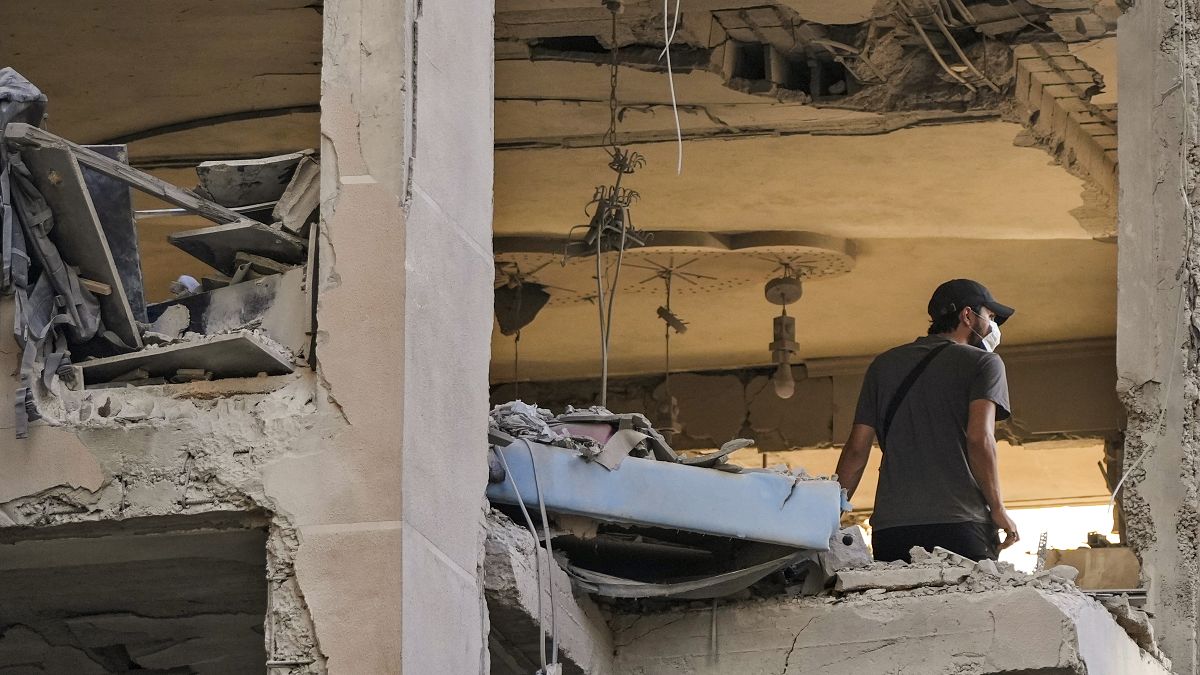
x: 232, y: 355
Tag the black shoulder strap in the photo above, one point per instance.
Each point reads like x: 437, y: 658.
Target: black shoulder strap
x: 902, y: 391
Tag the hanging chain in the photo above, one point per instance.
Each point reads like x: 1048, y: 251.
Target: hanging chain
x: 610, y: 137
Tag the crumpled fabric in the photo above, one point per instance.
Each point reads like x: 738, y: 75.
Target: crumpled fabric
x: 51, y: 308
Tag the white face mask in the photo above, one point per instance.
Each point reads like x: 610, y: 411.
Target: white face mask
x: 992, y: 339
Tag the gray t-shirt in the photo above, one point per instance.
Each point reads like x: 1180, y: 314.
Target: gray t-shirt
x: 925, y: 478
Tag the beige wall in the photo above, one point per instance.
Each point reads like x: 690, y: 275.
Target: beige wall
x: 1156, y: 335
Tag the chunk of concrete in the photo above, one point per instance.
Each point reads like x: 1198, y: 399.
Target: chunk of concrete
x: 510, y: 586
x: 1006, y: 630
x: 847, y: 550
x: 297, y: 207
x: 247, y: 181
x: 172, y: 322
x: 897, y: 578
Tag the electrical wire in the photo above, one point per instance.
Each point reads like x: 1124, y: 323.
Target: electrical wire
x: 549, y: 555
x: 537, y: 559
x: 668, y: 36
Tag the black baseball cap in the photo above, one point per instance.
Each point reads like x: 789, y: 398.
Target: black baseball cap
x: 955, y: 294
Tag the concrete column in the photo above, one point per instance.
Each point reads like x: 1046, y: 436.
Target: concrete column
x: 1156, y: 335
x: 404, y: 341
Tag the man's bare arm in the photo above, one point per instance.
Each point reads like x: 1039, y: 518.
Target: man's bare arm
x: 853, y: 460
x: 981, y: 456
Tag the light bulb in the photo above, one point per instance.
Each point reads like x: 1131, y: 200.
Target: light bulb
x: 785, y: 385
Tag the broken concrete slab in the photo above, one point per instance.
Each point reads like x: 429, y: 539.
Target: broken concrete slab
x: 172, y: 322
x: 218, y: 246
x: 1009, y: 630
x: 114, y: 208
x: 244, y: 182
x: 296, y: 209
x: 511, y: 590
x: 79, y: 235
x: 233, y: 355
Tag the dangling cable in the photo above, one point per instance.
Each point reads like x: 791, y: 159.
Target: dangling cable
x: 668, y: 36
x: 517, y: 365
x: 537, y: 559
x: 549, y: 555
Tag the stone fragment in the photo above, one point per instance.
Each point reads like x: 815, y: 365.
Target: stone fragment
x: 954, y: 575
x: 1060, y: 572
x: 847, y: 550
x: 917, y: 553
x: 951, y: 557
x: 172, y: 322
x: 888, y: 579
x: 988, y: 566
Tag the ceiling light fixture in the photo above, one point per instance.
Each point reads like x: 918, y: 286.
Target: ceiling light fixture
x: 783, y: 291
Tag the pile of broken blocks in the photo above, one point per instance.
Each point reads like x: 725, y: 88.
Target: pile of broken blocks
x: 71, y: 263
x: 941, y: 571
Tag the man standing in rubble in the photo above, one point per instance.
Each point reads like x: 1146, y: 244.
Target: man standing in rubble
x: 933, y: 404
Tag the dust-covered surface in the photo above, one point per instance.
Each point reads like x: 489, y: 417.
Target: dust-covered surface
x: 941, y: 614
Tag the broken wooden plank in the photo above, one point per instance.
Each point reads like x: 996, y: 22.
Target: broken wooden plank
x: 260, y: 265
x: 114, y: 208
x: 95, y: 286
x: 78, y: 234
x: 23, y: 136
x: 219, y: 245
x: 232, y: 355
x: 240, y: 182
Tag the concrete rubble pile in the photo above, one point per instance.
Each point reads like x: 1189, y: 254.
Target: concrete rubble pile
x: 71, y: 261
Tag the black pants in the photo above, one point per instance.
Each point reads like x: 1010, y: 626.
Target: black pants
x: 970, y: 540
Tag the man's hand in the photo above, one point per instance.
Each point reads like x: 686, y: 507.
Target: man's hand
x: 1003, y: 522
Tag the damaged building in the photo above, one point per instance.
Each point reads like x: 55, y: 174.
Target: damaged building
x: 439, y: 337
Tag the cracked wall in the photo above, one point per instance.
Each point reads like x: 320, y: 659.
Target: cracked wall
x: 1157, y: 335
x: 370, y: 468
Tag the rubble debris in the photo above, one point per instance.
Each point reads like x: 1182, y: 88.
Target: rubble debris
x: 22, y: 136
x: 78, y: 234
x: 114, y: 208
x: 297, y: 208
x: 847, y: 551
x: 241, y: 354
x: 243, y: 182
x: 172, y: 322
x: 937, y: 568
x: 276, y: 304
x: 1135, y: 622
x: 218, y: 246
